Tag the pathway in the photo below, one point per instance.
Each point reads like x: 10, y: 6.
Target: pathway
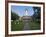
x: 26, y: 25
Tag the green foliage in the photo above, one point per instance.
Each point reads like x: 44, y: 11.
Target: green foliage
x: 17, y: 25
x: 34, y: 25
x: 14, y: 16
x: 36, y: 15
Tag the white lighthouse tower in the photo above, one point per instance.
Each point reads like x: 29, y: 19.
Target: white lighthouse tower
x: 26, y: 12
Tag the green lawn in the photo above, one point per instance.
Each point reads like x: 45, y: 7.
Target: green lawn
x: 16, y: 25
x: 19, y: 25
x: 34, y: 25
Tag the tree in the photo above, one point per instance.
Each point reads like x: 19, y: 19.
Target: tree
x: 36, y: 15
x: 14, y: 16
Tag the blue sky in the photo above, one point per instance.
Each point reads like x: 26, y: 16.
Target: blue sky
x: 20, y: 10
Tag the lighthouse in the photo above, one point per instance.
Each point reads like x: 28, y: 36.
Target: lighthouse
x: 26, y: 12
x: 26, y: 16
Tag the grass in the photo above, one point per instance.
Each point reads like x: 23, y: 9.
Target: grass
x: 34, y: 25
x: 16, y: 25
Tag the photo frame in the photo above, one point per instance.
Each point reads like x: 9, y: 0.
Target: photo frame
x: 11, y: 32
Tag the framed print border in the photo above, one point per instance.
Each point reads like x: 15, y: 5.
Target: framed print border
x: 6, y: 18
